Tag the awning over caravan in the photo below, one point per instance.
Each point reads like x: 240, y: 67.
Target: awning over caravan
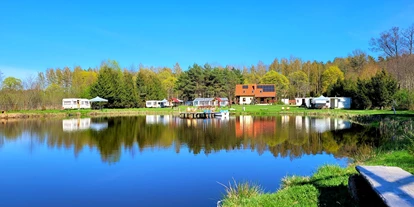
x: 98, y: 99
x: 176, y: 100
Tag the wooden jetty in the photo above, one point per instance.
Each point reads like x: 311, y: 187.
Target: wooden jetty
x: 394, y: 185
x: 197, y: 115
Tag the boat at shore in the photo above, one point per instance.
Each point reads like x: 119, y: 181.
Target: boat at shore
x: 222, y: 113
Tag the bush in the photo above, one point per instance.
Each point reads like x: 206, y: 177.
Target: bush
x: 403, y: 99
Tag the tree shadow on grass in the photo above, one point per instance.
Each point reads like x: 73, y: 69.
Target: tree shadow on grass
x: 334, y: 191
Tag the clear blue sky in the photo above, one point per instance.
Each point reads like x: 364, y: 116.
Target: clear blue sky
x: 36, y: 35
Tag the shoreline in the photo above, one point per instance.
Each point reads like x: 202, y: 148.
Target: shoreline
x: 357, y: 116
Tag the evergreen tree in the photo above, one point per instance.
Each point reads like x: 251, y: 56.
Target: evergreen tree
x: 381, y: 89
x: 129, y: 96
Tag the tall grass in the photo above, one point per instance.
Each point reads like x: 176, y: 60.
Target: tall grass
x: 239, y: 191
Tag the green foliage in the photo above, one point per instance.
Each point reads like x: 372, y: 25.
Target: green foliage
x: 281, y: 82
x: 381, y: 89
x: 129, y: 97
x: 109, y: 85
x: 400, y: 158
x: 241, y: 191
x: 207, y: 81
x: 12, y: 83
x: 149, y: 87
x: 410, y: 146
x: 331, y: 76
x: 299, y: 83
x: 376, y: 92
x: 404, y: 99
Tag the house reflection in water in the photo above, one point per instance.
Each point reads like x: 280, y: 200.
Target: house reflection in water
x: 82, y: 124
x: 253, y: 127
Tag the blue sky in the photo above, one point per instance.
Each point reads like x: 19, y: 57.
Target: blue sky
x: 36, y: 35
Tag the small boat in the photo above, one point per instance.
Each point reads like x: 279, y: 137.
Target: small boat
x: 222, y: 113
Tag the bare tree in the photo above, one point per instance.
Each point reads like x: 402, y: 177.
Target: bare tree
x: 408, y: 39
x: 388, y: 43
x: 1, y: 77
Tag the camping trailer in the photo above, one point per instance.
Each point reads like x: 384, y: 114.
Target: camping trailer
x: 76, y: 103
x: 305, y: 102
x: 340, y: 102
x: 153, y: 104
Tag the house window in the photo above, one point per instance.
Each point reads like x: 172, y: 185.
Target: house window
x: 245, y: 87
x: 244, y: 99
x: 327, y: 101
x: 339, y: 100
x: 260, y: 91
x: 244, y: 91
x: 252, y: 91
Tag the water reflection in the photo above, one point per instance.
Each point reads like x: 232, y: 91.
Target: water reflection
x: 284, y: 136
x: 78, y: 124
x: 162, y: 159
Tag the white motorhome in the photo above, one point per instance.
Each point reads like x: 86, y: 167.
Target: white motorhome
x: 76, y: 103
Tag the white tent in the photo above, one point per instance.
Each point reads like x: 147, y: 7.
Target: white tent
x: 165, y: 102
x: 98, y: 99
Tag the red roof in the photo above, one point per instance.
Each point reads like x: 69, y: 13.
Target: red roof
x: 175, y: 100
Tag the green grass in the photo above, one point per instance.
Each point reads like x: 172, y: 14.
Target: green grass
x: 326, y: 187
x: 401, y: 159
x: 241, y: 190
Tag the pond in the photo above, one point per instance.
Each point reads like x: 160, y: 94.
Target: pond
x: 157, y: 160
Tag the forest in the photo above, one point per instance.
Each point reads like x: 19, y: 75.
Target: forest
x: 372, y: 82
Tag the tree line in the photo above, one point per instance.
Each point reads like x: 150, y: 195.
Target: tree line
x: 381, y: 82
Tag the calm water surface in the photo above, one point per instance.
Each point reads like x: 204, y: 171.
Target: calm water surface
x: 161, y: 160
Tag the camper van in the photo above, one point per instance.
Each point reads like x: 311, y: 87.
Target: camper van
x: 76, y: 103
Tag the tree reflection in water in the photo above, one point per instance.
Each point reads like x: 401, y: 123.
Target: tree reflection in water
x: 283, y: 136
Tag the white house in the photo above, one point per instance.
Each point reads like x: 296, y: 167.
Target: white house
x: 246, y: 100
x: 76, y: 103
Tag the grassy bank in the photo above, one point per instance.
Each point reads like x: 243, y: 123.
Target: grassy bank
x: 257, y: 110
x: 328, y: 186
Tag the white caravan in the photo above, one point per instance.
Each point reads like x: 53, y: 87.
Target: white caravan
x: 153, y: 104
x: 76, y: 103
